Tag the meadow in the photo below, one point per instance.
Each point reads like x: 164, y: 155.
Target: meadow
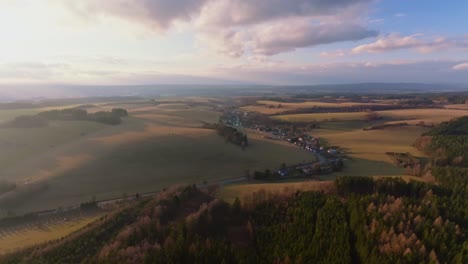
x: 157, y: 146
x: 365, y: 149
x: 162, y: 143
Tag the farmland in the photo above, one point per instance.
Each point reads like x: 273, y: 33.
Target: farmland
x: 365, y: 149
x: 372, y: 144
x: 412, y: 116
x: 274, y: 107
x: 142, y: 154
x: 18, y: 238
x: 325, y: 117
x: 165, y: 142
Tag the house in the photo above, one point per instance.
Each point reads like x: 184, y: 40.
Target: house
x: 332, y: 151
x: 307, y: 170
x: 283, y: 172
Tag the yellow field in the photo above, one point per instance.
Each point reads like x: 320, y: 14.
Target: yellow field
x: 155, y: 147
x: 18, y: 239
x: 355, y: 116
x: 428, y: 116
x: 264, y: 106
x: 457, y: 106
x: 312, y: 104
x: 229, y: 193
x: 264, y: 110
x: 411, y: 116
x: 372, y: 144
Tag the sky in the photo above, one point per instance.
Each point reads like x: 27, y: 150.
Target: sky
x: 294, y: 42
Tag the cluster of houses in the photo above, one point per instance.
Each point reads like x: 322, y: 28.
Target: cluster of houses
x: 233, y: 119
x: 328, y: 159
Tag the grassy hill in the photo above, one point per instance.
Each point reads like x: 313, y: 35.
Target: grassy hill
x: 160, y: 144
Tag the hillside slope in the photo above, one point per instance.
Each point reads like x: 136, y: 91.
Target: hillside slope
x: 360, y: 220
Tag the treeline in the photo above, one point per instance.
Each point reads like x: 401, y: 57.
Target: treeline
x: 230, y: 134
x: 447, y: 144
x: 113, y: 117
x: 366, y: 221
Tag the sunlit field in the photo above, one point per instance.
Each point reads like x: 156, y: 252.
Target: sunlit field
x: 17, y: 238
x: 272, y: 107
x: 155, y: 147
x: 411, y: 116
x: 325, y: 117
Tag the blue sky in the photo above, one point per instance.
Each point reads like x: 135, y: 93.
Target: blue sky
x: 262, y: 41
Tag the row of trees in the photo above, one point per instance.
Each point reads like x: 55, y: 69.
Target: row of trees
x: 232, y: 135
x: 114, y: 117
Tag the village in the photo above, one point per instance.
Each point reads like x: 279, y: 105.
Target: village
x: 328, y: 158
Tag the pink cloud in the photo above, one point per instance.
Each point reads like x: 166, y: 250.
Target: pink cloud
x: 395, y: 41
x: 461, y: 66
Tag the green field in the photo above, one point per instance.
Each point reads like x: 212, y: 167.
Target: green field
x: 162, y: 144
x: 157, y: 146
x: 19, y: 144
x: 365, y: 151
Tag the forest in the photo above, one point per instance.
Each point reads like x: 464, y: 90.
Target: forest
x: 361, y: 221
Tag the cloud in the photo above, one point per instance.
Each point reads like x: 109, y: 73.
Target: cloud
x: 269, y: 27
x: 333, y: 54
x: 237, y: 27
x: 247, y: 12
x: 461, y: 66
x: 395, y: 41
x: 376, y: 21
x: 282, y: 37
x: 156, y: 14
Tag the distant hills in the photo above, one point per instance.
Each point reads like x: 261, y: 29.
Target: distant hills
x: 211, y: 87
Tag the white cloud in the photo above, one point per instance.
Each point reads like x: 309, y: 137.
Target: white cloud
x: 395, y: 41
x: 156, y: 14
x: 236, y: 27
x: 461, y: 66
x: 248, y: 12
x: 333, y: 54
x: 281, y: 37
